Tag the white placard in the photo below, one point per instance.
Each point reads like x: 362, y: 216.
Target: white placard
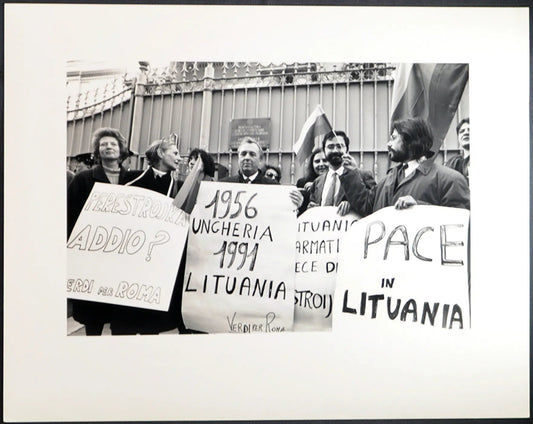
x: 405, y: 268
x: 317, y: 249
x: 126, y: 247
x: 239, y: 276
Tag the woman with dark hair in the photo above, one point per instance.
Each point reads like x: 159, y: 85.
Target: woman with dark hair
x: 209, y: 163
x: 110, y: 150
x: 273, y: 172
x: 316, y: 165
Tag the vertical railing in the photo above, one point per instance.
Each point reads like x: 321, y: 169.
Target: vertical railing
x: 150, y: 119
x: 311, y: 84
x: 222, y: 91
x: 375, y: 121
x: 334, y: 98
x: 292, y: 164
x: 162, y: 113
x: 171, y: 118
x: 361, y: 118
x: 281, y: 109
x: 347, y: 112
x: 269, y: 109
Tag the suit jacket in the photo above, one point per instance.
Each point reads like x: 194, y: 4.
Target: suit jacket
x: 460, y: 164
x: 239, y: 178
x: 358, y: 191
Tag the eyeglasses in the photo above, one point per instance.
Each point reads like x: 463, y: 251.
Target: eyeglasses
x: 272, y: 175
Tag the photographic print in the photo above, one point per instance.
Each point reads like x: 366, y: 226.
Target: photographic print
x: 186, y: 112
x: 269, y: 213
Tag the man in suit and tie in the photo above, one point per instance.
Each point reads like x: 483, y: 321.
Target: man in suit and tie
x: 344, y: 185
x: 250, y: 156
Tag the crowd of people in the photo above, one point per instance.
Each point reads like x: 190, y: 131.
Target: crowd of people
x: 332, y: 178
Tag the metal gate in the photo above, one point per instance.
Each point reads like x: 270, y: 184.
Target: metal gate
x: 196, y: 101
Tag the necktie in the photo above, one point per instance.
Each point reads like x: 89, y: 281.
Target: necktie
x: 247, y: 180
x: 330, y: 197
x: 401, y: 175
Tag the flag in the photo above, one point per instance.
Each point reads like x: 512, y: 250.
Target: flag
x: 431, y: 91
x: 186, y: 197
x: 317, y: 124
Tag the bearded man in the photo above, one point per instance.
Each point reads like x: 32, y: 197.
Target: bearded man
x: 343, y: 185
x: 417, y: 180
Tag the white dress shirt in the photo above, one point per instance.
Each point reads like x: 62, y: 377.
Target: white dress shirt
x: 329, y: 182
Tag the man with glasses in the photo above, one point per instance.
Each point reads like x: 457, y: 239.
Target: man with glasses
x: 343, y: 185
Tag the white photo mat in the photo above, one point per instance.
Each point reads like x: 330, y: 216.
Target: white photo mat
x: 51, y: 377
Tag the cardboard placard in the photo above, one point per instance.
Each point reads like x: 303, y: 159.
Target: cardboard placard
x: 317, y: 247
x: 239, y: 275
x: 126, y: 247
x: 405, y: 268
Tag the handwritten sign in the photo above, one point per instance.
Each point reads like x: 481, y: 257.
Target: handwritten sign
x: 239, y: 275
x: 317, y: 249
x: 405, y: 268
x: 126, y: 247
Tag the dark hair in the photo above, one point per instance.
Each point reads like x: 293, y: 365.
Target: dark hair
x: 416, y: 135
x: 109, y: 132
x: 333, y: 134
x: 151, y: 153
x: 209, y: 163
x: 275, y: 168
x: 460, y: 124
x: 310, y: 173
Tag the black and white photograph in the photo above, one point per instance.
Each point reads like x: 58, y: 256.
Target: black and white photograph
x: 269, y: 213
x: 403, y: 125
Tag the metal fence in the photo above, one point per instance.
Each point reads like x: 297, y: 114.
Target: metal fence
x: 196, y: 101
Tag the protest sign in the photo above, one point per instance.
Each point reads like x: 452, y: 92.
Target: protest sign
x: 239, y: 274
x: 317, y: 249
x: 405, y: 268
x: 126, y: 247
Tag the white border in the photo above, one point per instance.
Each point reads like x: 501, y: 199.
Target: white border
x: 49, y: 377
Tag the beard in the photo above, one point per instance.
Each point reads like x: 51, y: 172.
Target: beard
x: 398, y: 155
x: 334, y: 158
